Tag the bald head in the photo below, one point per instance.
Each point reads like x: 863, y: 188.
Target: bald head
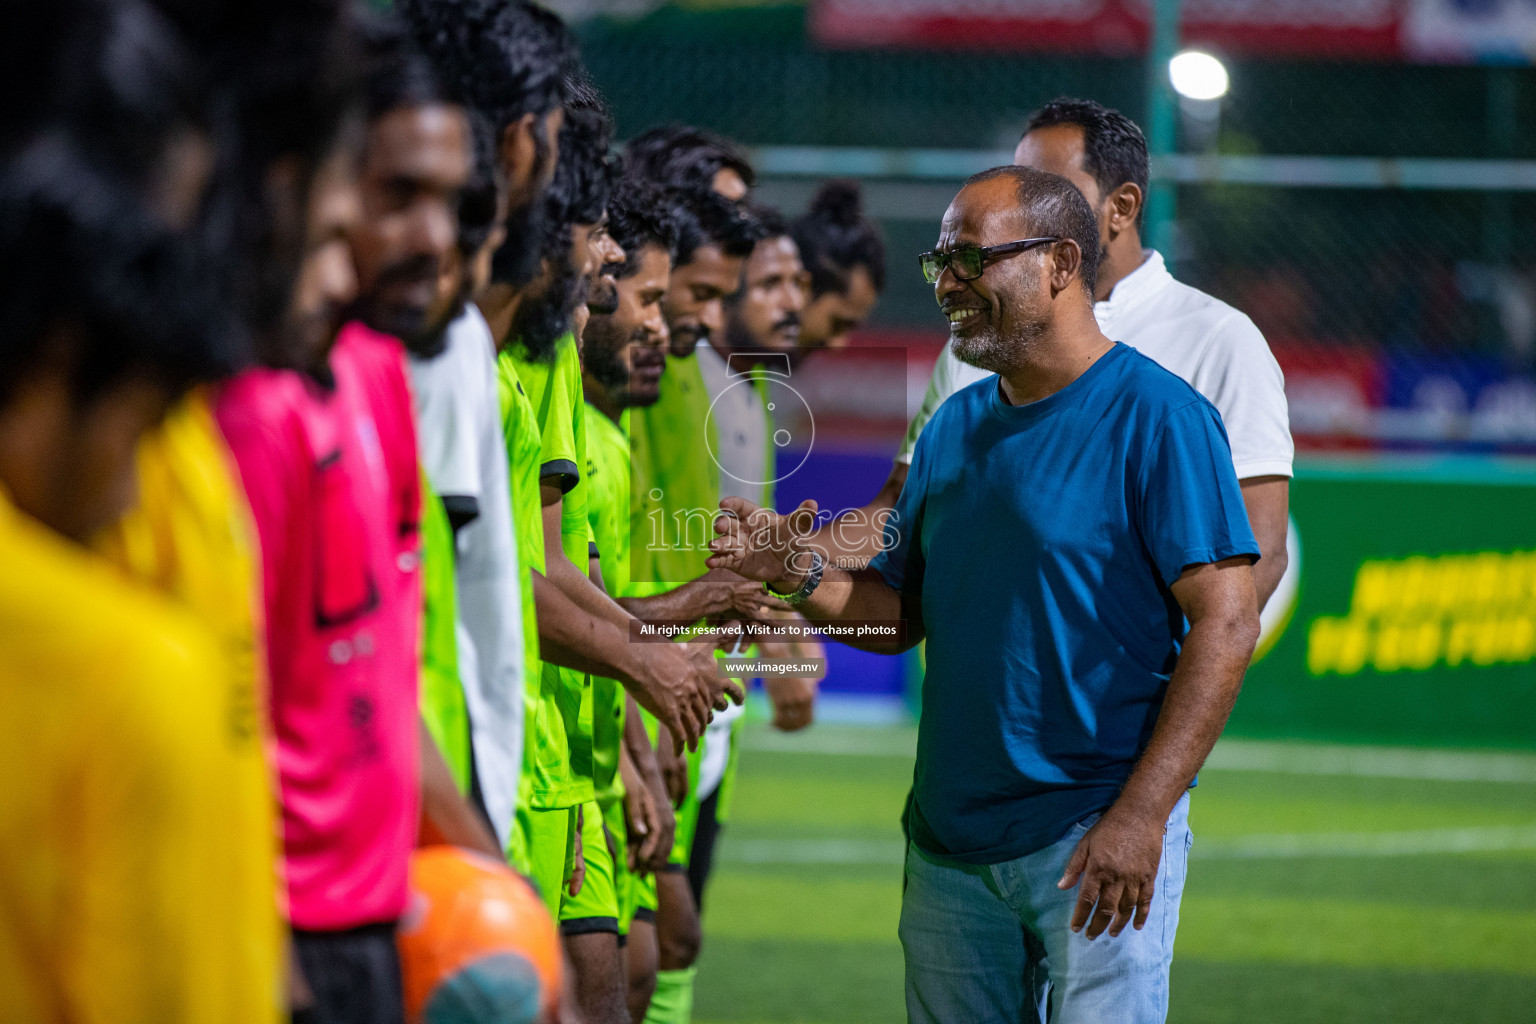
x: 1022, y: 294
x: 1037, y: 204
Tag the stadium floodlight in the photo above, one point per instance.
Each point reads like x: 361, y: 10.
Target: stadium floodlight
x: 1198, y: 76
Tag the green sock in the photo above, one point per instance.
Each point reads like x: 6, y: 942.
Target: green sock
x: 673, y: 1001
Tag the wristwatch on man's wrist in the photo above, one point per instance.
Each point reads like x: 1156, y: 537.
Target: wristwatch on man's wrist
x: 808, y: 585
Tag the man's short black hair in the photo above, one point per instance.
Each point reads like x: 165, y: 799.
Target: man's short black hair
x: 400, y: 74
x: 834, y: 237
x: 287, y: 76
x: 1054, y: 206
x: 708, y: 218
x: 115, y: 71
x: 771, y: 221
x: 291, y: 68
x: 642, y: 213
x: 685, y: 157
x: 505, y: 58
x: 1114, y: 149
x: 97, y: 287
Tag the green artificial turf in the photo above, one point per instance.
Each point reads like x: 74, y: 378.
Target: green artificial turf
x: 1321, y: 893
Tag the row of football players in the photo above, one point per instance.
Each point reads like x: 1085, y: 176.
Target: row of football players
x: 321, y: 336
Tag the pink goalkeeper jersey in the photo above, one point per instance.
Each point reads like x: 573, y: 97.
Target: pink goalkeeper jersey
x: 332, y: 480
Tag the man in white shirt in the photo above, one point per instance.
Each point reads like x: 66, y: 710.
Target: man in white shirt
x: 458, y: 413
x: 462, y: 451
x: 1214, y: 347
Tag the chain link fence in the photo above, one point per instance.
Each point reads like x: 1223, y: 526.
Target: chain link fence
x: 1388, y: 268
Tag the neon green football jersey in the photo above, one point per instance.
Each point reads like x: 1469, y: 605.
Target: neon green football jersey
x: 553, y: 391
x: 442, y: 691
x: 547, y: 780
x: 608, y: 513
x: 676, y: 481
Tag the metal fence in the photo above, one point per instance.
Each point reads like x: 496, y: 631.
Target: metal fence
x: 1366, y: 215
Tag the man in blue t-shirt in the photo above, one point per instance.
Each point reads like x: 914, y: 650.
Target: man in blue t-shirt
x: 1073, y: 545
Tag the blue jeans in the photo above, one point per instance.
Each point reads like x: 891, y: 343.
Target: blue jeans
x: 991, y: 944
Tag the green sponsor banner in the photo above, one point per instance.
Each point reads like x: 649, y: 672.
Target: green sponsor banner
x: 1409, y: 610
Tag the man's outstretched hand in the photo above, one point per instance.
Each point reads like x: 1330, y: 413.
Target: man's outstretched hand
x: 681, y: 685
x: 762, y: 545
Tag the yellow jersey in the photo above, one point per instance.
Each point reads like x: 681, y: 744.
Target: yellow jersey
x: 114, y: 906
x: 190, y: 537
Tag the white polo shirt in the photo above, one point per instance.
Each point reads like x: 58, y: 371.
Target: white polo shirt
x: 1214, y: 347
x: 458, y: 416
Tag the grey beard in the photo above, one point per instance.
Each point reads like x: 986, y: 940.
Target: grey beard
x: 995, y: 353
x: 985, y: 352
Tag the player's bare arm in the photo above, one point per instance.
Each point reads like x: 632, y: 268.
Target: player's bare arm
x: 571, y: 637
x: 640, y: 822
x: 763, y: 545
x: 672, y: 765
x: 677, y: 683
x: 1268, y: 500
x: 446, y: 817
x: 793, y: 697
x: 1115, y: 865
x: 698, y: 667
x: 650, y: 856
x: 648, y: 812
x: 718, y: 592
x: 562, y: 571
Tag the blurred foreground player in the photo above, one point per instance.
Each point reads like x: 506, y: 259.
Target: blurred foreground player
x: 1083, y: 653
x: 453, y: 370
x: 325, y: 445
x: 416, y: 162
x: 122, y: 749
x: 506, y: 63
x: 189, y: 534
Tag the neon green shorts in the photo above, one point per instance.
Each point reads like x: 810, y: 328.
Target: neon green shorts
x: 626, y: 882
x: 645, y: 898
x: 687, y: 821
x: 544, y: 849
x: 596, y: 907
x: 687, y: 812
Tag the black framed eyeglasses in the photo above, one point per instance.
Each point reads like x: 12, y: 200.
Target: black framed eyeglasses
x: 967, y: 262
